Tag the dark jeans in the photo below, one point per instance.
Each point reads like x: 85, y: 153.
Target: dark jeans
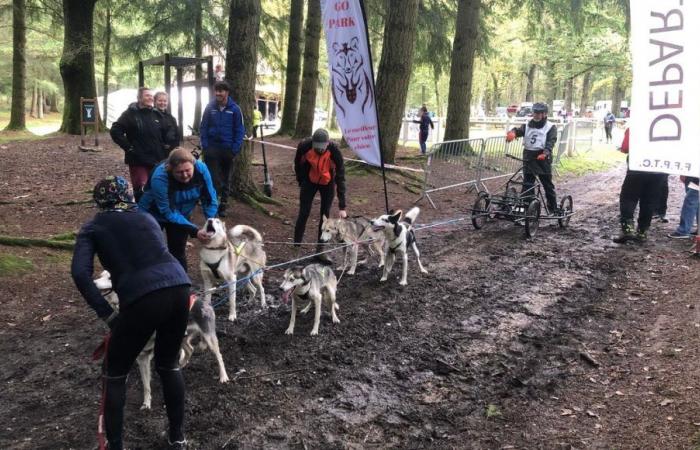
x: 662, y: 201
x: 163, y: 312
x: 642, y: 188
x: 608, y: 132
x: 306, y: 197
x: 176, y: 236
x: 533, y: 169
x: 219, y: 161
x: 422, y: 139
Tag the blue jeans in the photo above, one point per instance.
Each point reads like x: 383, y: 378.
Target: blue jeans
x: 422, y: 138
x: 689, y: 211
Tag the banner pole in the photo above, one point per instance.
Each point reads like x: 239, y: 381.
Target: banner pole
x: 376, y: 113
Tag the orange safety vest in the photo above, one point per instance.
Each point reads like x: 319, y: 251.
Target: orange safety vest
x: 321, y: 166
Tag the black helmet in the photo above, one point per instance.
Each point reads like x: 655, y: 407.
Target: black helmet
x: 540, y: 108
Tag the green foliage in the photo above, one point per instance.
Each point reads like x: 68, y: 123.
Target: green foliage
x: 14, y: 265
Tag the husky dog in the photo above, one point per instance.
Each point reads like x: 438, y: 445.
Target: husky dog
x: 315, y: 283
x: 399, y: 236
x: 227, y: 256
x: 202, y: 323
x: 353, y: 231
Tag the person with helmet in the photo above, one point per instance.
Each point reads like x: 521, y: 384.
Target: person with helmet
x: 319, y: 167
x: 539, y: 136
x: 153, y: 292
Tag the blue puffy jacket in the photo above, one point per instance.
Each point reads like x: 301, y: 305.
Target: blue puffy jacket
x: 173, y: 202
x: 222, y: 128
x: 130, y: 245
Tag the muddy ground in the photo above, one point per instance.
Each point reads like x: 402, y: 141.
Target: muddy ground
x: 564, y: 341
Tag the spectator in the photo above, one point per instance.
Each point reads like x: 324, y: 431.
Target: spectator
x: 219, y: 73
x: 689, y: 210
x: 425, y: 122
x: 141, y: 132
x: 319, y: 167
x: 638, y: 187
x: 540, y: 135
x: 153, y: 295
x: 177, y: 185
x: 662, y: 202
x: 257, y: 120
x: 609, y: 122
x: 172, y: 139
x: 221, y: 136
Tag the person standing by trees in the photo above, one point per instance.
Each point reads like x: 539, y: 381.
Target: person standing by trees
x: 153, y: 295
x: 425, y: 124
x: 257, y: 120
x: 319, y: 167
x: 608, y: 122
x: 221, y: 136
x: 141, y: 132
x: 172, y: 138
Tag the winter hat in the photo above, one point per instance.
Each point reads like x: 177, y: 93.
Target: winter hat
x: 113, y: 193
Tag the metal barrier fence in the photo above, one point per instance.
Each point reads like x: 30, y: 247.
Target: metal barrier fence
x: 472, y: 162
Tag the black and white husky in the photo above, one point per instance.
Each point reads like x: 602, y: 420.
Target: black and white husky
x: 202, y: 324
x: 315, y: 283
x: 399, y: 235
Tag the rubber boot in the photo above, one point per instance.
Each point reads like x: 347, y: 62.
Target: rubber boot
x: 627, y: 234
x: 641, y: 235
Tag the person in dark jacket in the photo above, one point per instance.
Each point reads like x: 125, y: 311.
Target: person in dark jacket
x: 638, y: 188
x: 425, y: 123
x: 221, y: 136
x: 319, y: 167
x: 608, y: 122
x: 540, y: 135
x: 172, y: 137
x: 175, y: 188
x: 153, y: 292
x: 141, y: 132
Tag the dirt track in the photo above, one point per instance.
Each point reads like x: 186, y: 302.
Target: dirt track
x: 565, y: 341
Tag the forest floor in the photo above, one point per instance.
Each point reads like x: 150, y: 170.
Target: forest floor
x: 563, y: 341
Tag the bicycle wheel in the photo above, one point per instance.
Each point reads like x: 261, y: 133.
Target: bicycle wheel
x: 567, y: 208
x: 481, y: 210
x: 532, y: 218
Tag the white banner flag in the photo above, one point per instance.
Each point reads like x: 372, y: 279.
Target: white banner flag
x: 351, y: 76
x: 665, y: 125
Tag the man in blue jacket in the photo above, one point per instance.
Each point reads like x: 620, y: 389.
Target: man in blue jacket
x: 221, y: 136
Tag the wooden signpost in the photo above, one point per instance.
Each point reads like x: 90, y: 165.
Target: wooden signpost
x: 89, y: 115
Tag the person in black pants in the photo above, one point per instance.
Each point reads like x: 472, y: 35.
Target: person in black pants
x: 153, y: 291
x: 662, y: 200
x: 319, y: 167
x: 638, y: 187
x: 539, y: 136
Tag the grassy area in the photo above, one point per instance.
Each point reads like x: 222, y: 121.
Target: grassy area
x: 600, y: 158
x: 13, y: 265
x: 37, y: 128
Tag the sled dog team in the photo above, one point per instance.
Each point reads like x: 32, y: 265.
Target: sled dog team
x: 238, y: 253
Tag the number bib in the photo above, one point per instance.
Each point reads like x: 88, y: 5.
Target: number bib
x: 535, y: 138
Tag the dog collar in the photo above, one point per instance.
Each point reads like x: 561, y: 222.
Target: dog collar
x: 305, y: 295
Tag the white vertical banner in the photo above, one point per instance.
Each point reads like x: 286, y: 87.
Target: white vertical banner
x: 665, y: 114
x: 351, y: 76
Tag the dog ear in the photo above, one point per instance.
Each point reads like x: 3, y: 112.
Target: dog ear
x: 394, y: 218
x: 325, y: 219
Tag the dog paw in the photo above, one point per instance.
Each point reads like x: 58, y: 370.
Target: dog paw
x: 145, y: 406
x: 336, y: 320
x: 351, y: 272
x: 232, y: 318
x: 314, y: 332
x: 424, y: 271
x: 382, y: 279
x: 224, y: 379
x: 289, y: 331
x: 403, y: 283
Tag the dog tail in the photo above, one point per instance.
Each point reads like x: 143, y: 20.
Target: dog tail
x: 246, y: 232
x: 411, y: 215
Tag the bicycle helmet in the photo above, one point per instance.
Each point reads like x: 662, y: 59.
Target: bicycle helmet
x: 540, y: 108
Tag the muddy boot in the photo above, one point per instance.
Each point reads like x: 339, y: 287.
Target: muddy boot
x: 641, y: 236
x: 626, y: 235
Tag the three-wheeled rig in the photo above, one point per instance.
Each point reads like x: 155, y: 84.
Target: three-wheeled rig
x: 522, y: 208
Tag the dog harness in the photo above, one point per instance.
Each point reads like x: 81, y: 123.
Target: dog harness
x: 305, y: 295
x: 410, y: 239
x: 214, y: 267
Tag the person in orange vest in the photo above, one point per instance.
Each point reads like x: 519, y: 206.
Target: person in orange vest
x: 319, y: 167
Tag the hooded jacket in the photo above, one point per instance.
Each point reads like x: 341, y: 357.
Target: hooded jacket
x: 141, y: 133
x: 222, y: 128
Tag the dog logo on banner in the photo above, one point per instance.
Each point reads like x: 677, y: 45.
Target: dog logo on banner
x: 350, y: 78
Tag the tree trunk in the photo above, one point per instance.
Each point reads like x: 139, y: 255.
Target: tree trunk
x: 32, y: 110
x: 293, y: 76
x: 78, y: 60
x: 107, y: 53
x: 19, y: 66
x: 198, y: 68
x: 54, y: 103
x: 241, y: 62
x: 330, y: 120
x: 438, y: 104
x: 618, y: 92
x: 309, y: 84
x: 530, y: 90
x: 40, y: 104
x: 394, y: 71
x: 585, y: 92
x: 496, y: 92
x: 568, y: 90
x: 462, y: 69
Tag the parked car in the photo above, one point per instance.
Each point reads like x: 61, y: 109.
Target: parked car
x: 525, y: 111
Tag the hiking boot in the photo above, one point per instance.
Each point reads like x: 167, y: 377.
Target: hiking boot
x: 641, y: 236
x: 677, y: 235
x: 626, y: 235
x: 662, y: 219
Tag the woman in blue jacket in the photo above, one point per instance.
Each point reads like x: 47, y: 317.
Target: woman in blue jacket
x: 153, y: 292
x: 173, y: 191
